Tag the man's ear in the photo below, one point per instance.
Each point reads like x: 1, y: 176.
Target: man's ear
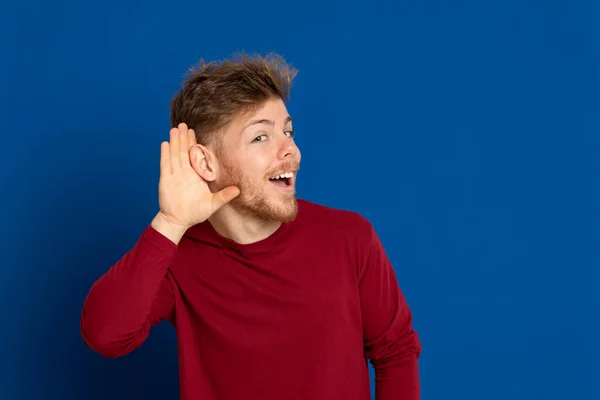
x: 203, y: 162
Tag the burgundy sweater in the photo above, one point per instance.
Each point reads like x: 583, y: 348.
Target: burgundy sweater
x: 295, y: 316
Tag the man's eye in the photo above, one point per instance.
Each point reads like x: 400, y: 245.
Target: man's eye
x: 260, y: 138
x: 290, y: 134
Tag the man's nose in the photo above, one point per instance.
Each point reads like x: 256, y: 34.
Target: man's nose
x: 287, y: 148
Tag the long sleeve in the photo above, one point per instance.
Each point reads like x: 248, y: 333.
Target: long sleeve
x: 131, y: 297
x: 391, y: 343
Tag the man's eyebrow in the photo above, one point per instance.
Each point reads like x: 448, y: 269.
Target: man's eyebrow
x: 267, y: 122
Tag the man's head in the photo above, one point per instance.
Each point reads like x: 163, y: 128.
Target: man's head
x: 244, y: 133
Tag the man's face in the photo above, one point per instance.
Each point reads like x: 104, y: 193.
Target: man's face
x: 255, y: 149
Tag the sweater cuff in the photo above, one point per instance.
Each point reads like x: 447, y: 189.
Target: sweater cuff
x: 158, y: 240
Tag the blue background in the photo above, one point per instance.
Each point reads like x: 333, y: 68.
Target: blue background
x: 467, y: 132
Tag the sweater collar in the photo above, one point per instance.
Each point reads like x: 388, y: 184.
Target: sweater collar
x: 269, y: 246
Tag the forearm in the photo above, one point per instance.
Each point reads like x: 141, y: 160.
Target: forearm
x: 399, y: 380
x: 117, y: 309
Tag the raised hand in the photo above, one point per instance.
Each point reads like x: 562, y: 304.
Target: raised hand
x: 184, y: 197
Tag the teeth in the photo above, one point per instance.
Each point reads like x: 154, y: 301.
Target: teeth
x: 286, y: 175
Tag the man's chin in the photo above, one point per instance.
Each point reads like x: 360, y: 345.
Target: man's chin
x: 285, y: 211
x: 290, y: 216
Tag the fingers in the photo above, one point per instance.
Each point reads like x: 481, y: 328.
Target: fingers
x: 175, y: 154
x: 224, y: 196
x: 181, y: 140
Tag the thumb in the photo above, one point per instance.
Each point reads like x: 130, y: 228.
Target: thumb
x: 224, y: 196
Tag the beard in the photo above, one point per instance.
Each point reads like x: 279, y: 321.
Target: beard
x: 255, y: 199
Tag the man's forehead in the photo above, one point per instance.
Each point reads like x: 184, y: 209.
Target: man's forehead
x: 272, y: 113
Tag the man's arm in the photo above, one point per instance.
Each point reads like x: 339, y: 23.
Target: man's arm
x: 135, y: 293
x: 132, y: 296
x: 391, y: 343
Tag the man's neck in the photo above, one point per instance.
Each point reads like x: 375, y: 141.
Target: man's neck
x: 240, y: 228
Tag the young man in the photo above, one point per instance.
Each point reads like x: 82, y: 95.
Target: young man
x: 272, y: 297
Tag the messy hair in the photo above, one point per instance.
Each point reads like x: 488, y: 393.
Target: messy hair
x: 214, y: 93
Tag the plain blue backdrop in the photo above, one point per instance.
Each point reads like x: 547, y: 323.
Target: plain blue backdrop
x: 466, y: 131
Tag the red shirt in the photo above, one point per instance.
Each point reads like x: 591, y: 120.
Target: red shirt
x: 295, y: 316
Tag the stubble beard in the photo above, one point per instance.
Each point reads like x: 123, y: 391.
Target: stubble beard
x: 254, y: 200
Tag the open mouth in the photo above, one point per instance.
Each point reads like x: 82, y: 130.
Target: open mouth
x: 282, y: 180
